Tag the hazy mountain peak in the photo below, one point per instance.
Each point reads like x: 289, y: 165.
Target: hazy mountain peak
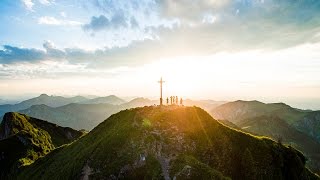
x: 44, y: 95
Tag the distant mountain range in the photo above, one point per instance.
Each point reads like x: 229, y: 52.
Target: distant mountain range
x: 168, y: 142
x: 5, y: 101
x: 56, y: 101
x: 83, y: 113
x: 53, y: 101
x: 297, y: 127
x: 87, y: 116
x: 77, y: 116
x: 112, y: 99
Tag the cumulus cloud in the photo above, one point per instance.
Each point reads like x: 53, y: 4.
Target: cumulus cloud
x: 52, y: 51
x: 118, y: 20
x: 48, y: 20
x: 28, y: 4
x: 236, y: 26
x: 134, y: 54
x: 11, y: 54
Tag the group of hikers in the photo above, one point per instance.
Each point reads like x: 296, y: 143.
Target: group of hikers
x: 174, y: 100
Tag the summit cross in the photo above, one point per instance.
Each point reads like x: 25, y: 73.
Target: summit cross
x: 161, y: 82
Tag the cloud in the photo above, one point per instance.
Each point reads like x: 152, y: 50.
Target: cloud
x: 98, y: 23
x: 46, y: 2
x: 236, y: 26
x: 52, y: 51
x: 190, y: 10
x: 101, y: 58
x: 28, y: 4
x: 133, y: 22
x: 194, y: 11
x: 11, y: 54
x: 242, y: 24
x: 47, y: 20
x: 63, y: 14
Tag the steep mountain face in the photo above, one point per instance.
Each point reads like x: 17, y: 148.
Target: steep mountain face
x: 112, y: 99
x: 24, y: 139
x: 169, y: 142
x: 52, y: 101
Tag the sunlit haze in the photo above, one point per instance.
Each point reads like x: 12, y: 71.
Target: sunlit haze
x: 223, y: 50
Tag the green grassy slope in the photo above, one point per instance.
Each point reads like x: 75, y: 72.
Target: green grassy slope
x: 24, y: 139
x: 168, y: 142
x: 278, y: 129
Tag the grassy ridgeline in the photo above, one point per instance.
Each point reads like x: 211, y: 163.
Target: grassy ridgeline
x: 168, y: 142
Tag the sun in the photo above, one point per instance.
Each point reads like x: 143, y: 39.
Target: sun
x: 180, y: 75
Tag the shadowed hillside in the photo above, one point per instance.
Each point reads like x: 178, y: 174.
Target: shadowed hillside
x: 169, y: 142
x: 303, y: 120
x: 300, y: 128
x: 24, y: 139
x: 278, y: 129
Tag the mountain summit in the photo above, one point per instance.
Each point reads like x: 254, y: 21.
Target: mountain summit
x: 169, y: 142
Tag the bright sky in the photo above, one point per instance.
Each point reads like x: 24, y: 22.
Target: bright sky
x: 267, y: 50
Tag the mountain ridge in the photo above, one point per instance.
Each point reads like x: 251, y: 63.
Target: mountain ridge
x: 169, y: 142
x: 279, y: 121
